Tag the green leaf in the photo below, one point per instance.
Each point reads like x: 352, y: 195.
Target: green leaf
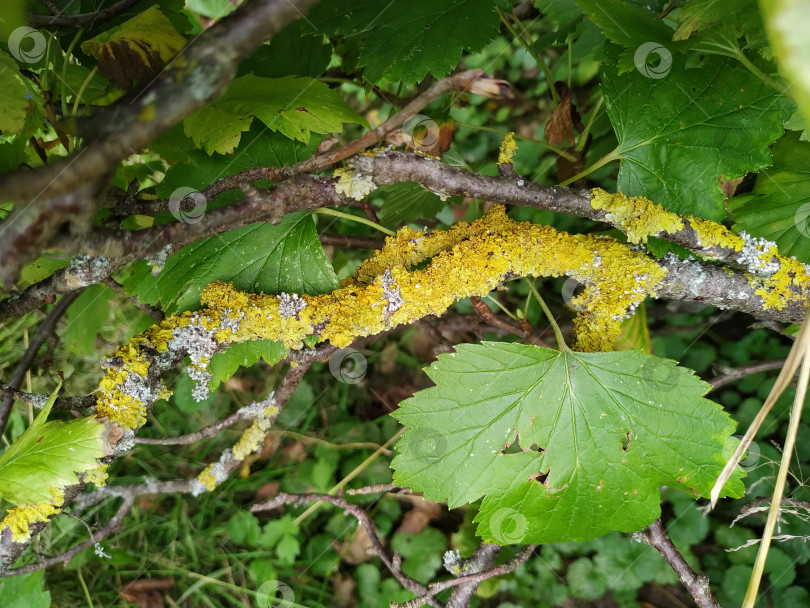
x: 628, y: 26
x: 778, y: 208
x: 585, y: 581
x: 27, y: 591
x: 288, y: 549
x: 213, y: 9
x: 257, y: 258
x: 678, y: 134
x: 291, y: 105
x: 48, y: 455
x: 297, y: 50
x: 564, y: 445
x: 13, y: 103
x: 406, y: 40
x: 422, y: 553
x: 39, y: 269
x: 408, y: 202
x: 258, y: 148
x: 224, y: 365
x: 86, y: 317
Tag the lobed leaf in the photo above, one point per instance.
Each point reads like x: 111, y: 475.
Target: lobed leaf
x: 562, y: 445
x: 48, y: 455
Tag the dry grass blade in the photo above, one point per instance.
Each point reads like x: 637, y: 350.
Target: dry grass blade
x: 781, y: 478
x: 792, y: 363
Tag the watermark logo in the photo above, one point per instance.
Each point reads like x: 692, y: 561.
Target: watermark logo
x: 802, y: 219
x: 661, y: 374
x: 508, y: 526
x: 27, y: 44
x: 752, y: 455
x: 421, y: 132
x: 427, y: 444
x: 571, y: 289
x: 275, y: 594
x: 179, y: 203
x: 348, y: 365
x: 645, y: 62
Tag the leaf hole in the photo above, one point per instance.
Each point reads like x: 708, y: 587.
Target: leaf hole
x: 626, y: 440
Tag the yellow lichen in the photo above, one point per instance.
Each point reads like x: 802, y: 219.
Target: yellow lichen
x: 206, y: 478
x: 352, y: 184
x: 21, y: 517
x: 712, y: 234
x: 253, y: 438
x: 637, y: 216
x: 97, y: 475
x: 777, y: 291
x: 508, y: 149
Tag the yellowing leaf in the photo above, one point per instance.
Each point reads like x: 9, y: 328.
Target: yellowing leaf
x: 136, y: 48
x: 48, y: 455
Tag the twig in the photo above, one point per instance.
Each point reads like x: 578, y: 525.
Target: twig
x: 696, y: 584
x: 43, y: 331
x: 68, y: 555
x: 38, y: 400
x: 91, y: 19
x: 505, y: 568
x: 730, y: 374
x: 348, y: 240
x: 490, y: 317
x: 390, y: 562
x: 72, y: 187
x: 378, y: 488
x: 483, y: 559
x: 145, y: 308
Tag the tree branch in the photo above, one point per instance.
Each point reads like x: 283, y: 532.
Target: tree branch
x: 43, y: 332
x: 71, y: 186
x: 697, y: 584
x: 90, y: 19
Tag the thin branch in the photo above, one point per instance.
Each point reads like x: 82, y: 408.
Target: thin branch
x: 43, y: 332
x: 89, y: 19
x: 71, y: 188
x: 95, y: 538
x: 490, y: 317
x: 390, y: 562
x: 696, y: 584
x: 505, y: 568
x: 731, y: 374
x: 38, y: 400
x: 248, y: 412
x: 348, y: 240
x: 482, y: 560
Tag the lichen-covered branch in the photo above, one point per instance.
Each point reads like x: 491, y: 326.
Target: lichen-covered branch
x: 470, y: 259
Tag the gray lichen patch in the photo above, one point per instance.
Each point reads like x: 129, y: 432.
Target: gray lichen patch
x: 754, y: 256
x: 290, y: 304
x: 200, y: 344
x: 391, y: 293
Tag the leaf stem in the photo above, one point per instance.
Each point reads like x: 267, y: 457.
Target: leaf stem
x: 503, y: 308
x: 749, y: 65
x: 555, y: 98
x: 65, y: 61
x: 82, y: 88
x: 353, y: 218
x: 583, y: 137
x: 557, y: 333
x: 607, y: 158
